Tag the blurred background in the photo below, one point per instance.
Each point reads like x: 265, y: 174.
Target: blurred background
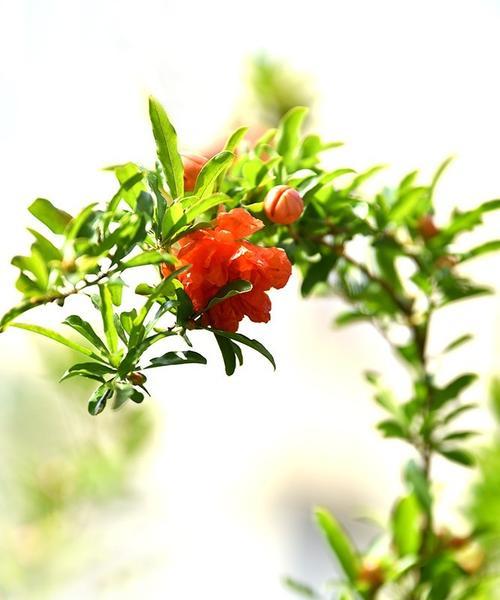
x: 207, y: 489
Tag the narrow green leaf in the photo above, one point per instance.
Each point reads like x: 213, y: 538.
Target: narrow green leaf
x: 177, y: 358
x: 487, y: 247
x: 438, y: 174
x: 458, y: 342
x: 458, y: 455
x: 288, y: 138
x: 166, y: 145
x: 210, y: 172
x: 54, y: 218
x: 228, y: 355
x: 56, y: 337
x: 233, y: 288
x: 108, y: 318
x: 416, y: 480
x: 91, y: 370
x: 151, y: 257
x: 338, y: 541
x: 300, y: 588
x: 202, y: 206
x: 86, y: 330
x: 235, y: 138
x: 242, y: 339
x: 441, y: 396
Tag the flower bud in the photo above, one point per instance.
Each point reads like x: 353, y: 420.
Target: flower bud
x: 446, y: 262
x: 137, y: 378
x: 283, y: 205
x: 427, y: 228
x: 371, y: 574
x: 193, y: 163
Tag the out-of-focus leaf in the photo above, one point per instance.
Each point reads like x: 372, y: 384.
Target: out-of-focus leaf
x: 288, y: 137
x: 441, y: 396
x: 338, y: 541
x: 54, y: 218
x: 406, y: 526
x: 458, y: 455
x: 415, y: 478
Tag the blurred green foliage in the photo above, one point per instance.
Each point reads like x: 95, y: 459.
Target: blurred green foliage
x: 56, y: 466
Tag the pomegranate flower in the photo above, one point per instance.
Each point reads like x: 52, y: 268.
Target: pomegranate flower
x: 220, y: 255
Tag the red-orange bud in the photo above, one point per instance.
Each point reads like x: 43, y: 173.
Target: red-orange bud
x: 283, y: 205
x: 137, y: 378
x: 427, y: 228
x: 193, y: 163
x: 371, y: 574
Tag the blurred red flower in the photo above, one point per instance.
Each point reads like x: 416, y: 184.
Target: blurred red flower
x: 220, y: 255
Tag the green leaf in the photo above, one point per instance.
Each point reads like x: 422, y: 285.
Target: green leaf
x: 453, y: 414
x: 233, y: 288
x: 441, y: 396
x: 300, y: 588
x: 492, y: 246
x: 406, y: 526
x: 177, y: 358
x: 416, y: 480
x: 459, y: 435
x: 458, y: 455
x: 288, y: 138
x: 458, y: 342
x: 410, y: 202
x: 392, y: 429
x: 185, y: 307
x: 318, y: 273
x: 56, y: 337
x: 54, y: 218
x: 115, y: 287
x: 173, y: 219
x: 237, y: 351
x: 99, y: 398
x: 76, y: 224
x: 46, y: 247
x: 439, y: 172
x: 201, y: 206
x: 338, y: 541
x: 86, y: 330
x: 242, y: 339
x: 166, y: 145
x: 124, y: 392
x: 210, y: 172
x: 151, y: 257
x: 90, y: 370
x: 227, y: 352
x: 108, y: 319
x: 235, y: 138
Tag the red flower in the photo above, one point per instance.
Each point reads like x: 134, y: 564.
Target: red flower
x: 220, y: 255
